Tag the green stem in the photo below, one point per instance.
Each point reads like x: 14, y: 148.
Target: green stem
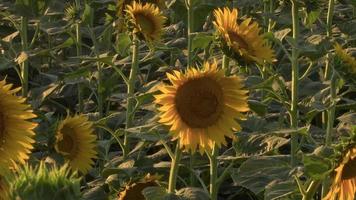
x: 24, y: 66
x: 329, y: 20
x: 270, y: 22
x: 214, y: 174
x: 79, y: 53
x: 295, y: 82
x: 190, y: 31
x: 225, y: 64
x: 314, y: 185
x: 131, y: 91
x: 174, y: 169
x: 329, y: 116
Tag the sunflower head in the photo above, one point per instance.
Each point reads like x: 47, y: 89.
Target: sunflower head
x: 134, y: 190
x: 75, y: 140
x: 147, y: 21
x: 344, y: 180
x: 201, y: 106
x: 45, y: 183
x: 16, y: 131
x: 242, y: 41
x: 345, y: 64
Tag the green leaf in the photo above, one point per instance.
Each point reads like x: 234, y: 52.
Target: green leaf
x: 258, y: 144
x: 257, y: 107
x: 123, y: 44
x: 316, y: 167
x: 158, y: 193
x: 201, y: 40
x: 193, y: 193
x: 282, y: 190
x: 87, y: 14
x: 258, y: 172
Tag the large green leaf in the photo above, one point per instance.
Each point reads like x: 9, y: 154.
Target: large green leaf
x: 257, y: 173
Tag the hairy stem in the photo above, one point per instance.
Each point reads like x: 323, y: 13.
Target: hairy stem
x: 214, y: 174
x: 24, y: 66
x: 174, y: 169
x: 295, y: 82
x: 131, y: 91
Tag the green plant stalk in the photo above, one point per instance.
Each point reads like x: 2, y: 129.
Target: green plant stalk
x: 24, y: 66
x: 214, y: 174
x: 295, y: 82
x: 174, y: 169
x: 225, y: 64
x: 271, y: 4
x: 79, y: 53
x: 329, y: 75
x: 311, y: 190
x: 130, y: 92
x: 190, y: 31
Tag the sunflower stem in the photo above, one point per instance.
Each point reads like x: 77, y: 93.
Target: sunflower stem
x: 24, y: 65
x: 225, y: 64
x: 190, y: 30
x: 130, y: 93
x: 295, y: 82
x: 329, y: 116
x: 214, y: 173
x: 311, y: 190
x: 174, y: 169
x: 79, y: 53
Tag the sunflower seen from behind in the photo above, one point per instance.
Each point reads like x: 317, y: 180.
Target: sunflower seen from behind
x: 146, y: 20
x: 16, y: 132
x: 241, y: 40
x: 201, y: 106
x: 344, y: 182
x: 76, y: 141
x: 345, y: 64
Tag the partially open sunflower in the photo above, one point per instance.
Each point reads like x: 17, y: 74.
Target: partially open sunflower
x: 133, y: 191
x: 147, y: 21
x: 344, y: 182
x: 15, y: 131
x: 345, y: 64
x: 201, y: 106
x: 75, y: 140
x: 242, y: 40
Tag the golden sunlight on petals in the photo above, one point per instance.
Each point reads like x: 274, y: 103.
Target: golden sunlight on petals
x: 203, y: 108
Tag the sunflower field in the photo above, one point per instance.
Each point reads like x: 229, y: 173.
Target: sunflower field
x: 177, y: 99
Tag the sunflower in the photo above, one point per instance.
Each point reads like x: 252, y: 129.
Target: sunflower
x: 201, y: 106
x: 345, y: 64
x: 134, y: 190
x: 242, y: 40
x: 75, y: 140
x: 15, y: 131
x: 147, y: 21
x: 344, y: 183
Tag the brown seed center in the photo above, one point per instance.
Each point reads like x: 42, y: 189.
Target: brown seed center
x: 236, y: 38
x: 145, y: 23
x: 349, y: 170
x: 67, y: 145
x: 199, y: 102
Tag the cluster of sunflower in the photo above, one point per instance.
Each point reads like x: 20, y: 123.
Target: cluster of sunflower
x: 74, y: 140
x: 201, y: 105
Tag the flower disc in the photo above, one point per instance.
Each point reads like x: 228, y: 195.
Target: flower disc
x: 75, y: 140
x: 243, y: 40
x: 344, y: 183
x: 147, y: 20
x: 201, y: 106
x: 15, y: 131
